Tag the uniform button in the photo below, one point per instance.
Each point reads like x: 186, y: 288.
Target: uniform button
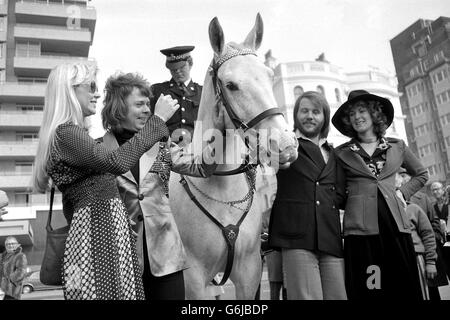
x: 140, y: 217
x: 183, y: 109
x: 183, y: 121
x: 184, y: 98
x: 317, y: 183
x: 317, y: 202
x: 334, y: 207
x: 141, y: 197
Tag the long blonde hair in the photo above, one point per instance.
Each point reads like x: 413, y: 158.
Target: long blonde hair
x: 61, y: 106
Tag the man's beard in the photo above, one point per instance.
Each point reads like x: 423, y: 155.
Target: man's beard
x: 310, y: 134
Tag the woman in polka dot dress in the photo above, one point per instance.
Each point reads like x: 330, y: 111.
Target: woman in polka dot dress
x: 100, y: 259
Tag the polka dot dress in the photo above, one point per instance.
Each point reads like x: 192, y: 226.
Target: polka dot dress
x: 100, y: 260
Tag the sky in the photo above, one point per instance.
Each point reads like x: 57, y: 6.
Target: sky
x: 353, y: 34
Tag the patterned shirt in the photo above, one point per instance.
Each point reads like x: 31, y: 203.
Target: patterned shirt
x: 376, y: 162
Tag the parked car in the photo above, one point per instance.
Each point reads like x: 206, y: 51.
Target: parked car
x: 32, y: 283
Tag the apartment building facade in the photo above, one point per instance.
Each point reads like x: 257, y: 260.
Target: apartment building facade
x: 35, y: 36
x: 422, y: 62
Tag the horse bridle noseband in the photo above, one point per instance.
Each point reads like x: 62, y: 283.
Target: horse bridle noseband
x: 231, y: 232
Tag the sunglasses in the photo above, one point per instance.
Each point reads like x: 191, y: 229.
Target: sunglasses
x: 92, y: 86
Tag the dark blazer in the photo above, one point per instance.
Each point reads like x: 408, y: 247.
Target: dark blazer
x: 305, y: 213
x: 189, y: 100
x: 362, y: 186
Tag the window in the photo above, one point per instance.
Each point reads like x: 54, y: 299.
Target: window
x: 24, y: 167
x: 26, y: 80
x: 414, y: 71
x: 22, y: 198
x: 28, y: 49
x: 440, y: 76
x: 338, y: 95
x: 298, y: 91
x: 27, y: 137
x: 320, y: 90
x: 29, y: 107
x: 2, y: 23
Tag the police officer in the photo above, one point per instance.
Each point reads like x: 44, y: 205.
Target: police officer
x: 182, y: 88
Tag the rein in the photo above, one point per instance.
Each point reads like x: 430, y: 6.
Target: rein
x: 237, y: 122
x: 231, y: 232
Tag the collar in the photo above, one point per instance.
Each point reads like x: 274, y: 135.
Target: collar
x: 382, y: 145
x: 299, y: 135
x: 186, y: 83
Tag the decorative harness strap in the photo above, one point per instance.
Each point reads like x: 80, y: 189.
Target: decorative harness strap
x: 230, y: 232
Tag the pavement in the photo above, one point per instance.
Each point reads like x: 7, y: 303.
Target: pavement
x: 228, y: 295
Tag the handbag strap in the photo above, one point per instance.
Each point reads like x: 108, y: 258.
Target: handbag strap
x: 49, y: 219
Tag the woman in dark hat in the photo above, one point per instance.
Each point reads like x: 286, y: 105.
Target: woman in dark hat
x: 378, y: 248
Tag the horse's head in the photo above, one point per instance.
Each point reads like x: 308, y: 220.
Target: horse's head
x: 239, y: 86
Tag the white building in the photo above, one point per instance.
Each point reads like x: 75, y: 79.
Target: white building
x: 293, y: 78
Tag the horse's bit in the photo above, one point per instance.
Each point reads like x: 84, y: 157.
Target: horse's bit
x: 231, y: 231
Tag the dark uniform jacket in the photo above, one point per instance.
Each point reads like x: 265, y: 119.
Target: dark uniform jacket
x: 189, y: 100
x: 305, y: 213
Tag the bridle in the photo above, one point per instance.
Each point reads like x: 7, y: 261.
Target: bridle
x: 237, y: 122
x: 231, y: 231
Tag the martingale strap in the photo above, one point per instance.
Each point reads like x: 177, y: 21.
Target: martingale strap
x: 230, y: 232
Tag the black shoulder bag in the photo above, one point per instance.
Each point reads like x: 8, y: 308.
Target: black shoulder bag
x: 51, y: 268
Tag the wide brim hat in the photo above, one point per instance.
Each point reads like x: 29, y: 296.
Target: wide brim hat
x: 176, y: 57
x: 357, y: 95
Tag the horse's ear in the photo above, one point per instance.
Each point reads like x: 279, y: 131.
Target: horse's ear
x: 216, y: 37
x: 255, y: 36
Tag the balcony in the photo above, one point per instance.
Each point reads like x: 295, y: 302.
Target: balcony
x: 40, y: 66
x: 17, y: 150
x: 22, y: 92
x: 52, y: 13
x: 21, y: 229
x: 15, y: 180
x: 56, y: 38
x: 18, y: 120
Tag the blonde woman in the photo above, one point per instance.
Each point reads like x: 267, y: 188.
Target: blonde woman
x: 100, y: 259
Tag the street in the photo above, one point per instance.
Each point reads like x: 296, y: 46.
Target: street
x: 228, y: 295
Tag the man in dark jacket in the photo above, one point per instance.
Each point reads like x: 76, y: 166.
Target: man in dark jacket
x: 305, y: 221
x: 13, y: 265
x: 182, y: 88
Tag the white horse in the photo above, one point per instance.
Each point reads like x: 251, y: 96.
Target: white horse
x: 237, y: 92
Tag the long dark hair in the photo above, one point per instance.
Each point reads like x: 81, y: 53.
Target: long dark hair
x: 375, y: 110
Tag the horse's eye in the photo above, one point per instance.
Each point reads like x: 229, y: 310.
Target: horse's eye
x: 231, y: 86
